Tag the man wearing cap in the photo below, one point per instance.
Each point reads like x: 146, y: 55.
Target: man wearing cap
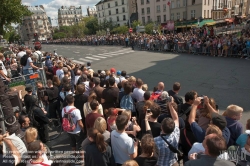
x: 113, y: 74
x: 217, y: 120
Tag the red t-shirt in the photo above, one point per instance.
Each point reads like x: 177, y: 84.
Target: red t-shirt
x: 90, y: 119
x: 54, y: 70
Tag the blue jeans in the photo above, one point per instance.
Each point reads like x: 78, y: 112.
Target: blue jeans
x: 27, y: 73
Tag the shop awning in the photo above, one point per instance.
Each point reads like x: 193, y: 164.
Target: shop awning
x: 186, y: 26
x: 206, y: 22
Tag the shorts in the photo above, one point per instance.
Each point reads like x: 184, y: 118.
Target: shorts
x: 75, y: 140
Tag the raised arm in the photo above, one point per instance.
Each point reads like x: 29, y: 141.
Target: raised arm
x: 173, y: 113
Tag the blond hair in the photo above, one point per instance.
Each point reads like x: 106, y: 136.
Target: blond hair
x: 131, y: 79
x: 30, y: 134
x: 100, y: 124
x: 130, y: 163
x: 212, y: 129
x: 145, y: 87
x: 127, y: 113
x: 233, y: 110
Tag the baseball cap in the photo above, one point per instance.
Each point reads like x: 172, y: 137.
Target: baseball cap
x: 103, y: 72
x: 47, y: 57
x: 248, y: 132
x: 88, y: 64
x: 219, y: 120
x: 118, y: 72
x: 112, y: 70
x: 28, y: 88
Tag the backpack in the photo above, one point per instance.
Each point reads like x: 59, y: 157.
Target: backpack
x: 155, y: 96
x: 67, y: 121
x: 23, y: 60
x: 39, y: 59
x: 127, y: 103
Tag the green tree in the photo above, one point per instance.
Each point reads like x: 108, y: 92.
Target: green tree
x: 91, y: 23
x: 149, y: 28
x: 135, y: 24
x: 59, y: 35
x: 120, y: 30
x: 12, y: 11
x: 10, y: 34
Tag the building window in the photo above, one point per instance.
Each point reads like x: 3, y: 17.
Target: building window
x: 164, y: 18
x: 116, y: 3
x: 158, y: 8
x: 117, y: 18
x: 124, y: 17
x: 110, y: 19
x: 148, y: 1
x: 164, y: 7
x: 184, y: 3
x: 205, y: 14
x: 98, y: 8
x: 148, y: 10
x: 178, y: 16
x: 116, y: 10
x: 142, y: 11
x: 123, y: 9
x: 142, y: 2
x: 99, y: 14
x: 109, y: 12
x: 103, y: 14
x: 205, y: 2
x: 108, y: 5
x: 122, y: 2
x: 178, y: 3
x: 192, y: 13
x: 102, y: 7
x: 159, y: 19
x: 143, y: 20
x: 148, y: 18
x: 172, y: 4
x: 193, y: 2
x: 184, y: 15
x: 172, y: 16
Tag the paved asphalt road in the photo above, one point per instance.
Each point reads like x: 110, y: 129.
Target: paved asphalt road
x: 225, y: 79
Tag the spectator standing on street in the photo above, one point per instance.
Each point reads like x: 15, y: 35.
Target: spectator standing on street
x: 98, y: 152
x: 110, y: 95
x: 75, y: 139
x: 138, y: 93
x: 174, y: 93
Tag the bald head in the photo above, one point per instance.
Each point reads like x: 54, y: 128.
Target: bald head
x: 160, y: 86
x: 28, y: 52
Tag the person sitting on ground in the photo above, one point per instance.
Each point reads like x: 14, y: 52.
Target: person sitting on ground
x: 233, y: 114
x: 213, y: 145
x: 98, y: 152
x: 148, y: 156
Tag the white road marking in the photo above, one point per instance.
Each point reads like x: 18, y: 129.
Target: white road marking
x: 86, y: 60
x: 99, y: 56
x: 105, y: 55
x: 76, y: 52
x: 92, y: 58
x: 76, y: 61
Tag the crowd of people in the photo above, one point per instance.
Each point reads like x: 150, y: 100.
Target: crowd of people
x: 112, y: 118
x: 201, y: 41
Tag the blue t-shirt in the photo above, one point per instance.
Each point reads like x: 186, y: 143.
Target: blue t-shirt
x: 242, y: 140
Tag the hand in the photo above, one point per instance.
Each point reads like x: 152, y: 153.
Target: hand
x: 8, y: 79
x: 206, y: 100
x: 197, y: 101
x: 40, y: 68
x: 148, y: 115
x: 133, y: 119
x: 193, y: 156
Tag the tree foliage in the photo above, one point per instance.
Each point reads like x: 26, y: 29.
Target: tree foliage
x: 149, y: 28
x: 120, y: 30
x: 10, y: 34
x: 91, y: 23
x: 135, y: 24
x: 12, y: 11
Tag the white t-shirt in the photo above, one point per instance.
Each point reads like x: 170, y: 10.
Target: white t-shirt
x: 122, y: 146
x: 2, y: 67
x: 76, y: 115
x: 21, y: 54
x: 60, y: 73
x: 27, y: 66
x: 138, y: 94
x: 36, y: 55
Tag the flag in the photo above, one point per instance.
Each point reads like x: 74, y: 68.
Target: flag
x: 168, y: 3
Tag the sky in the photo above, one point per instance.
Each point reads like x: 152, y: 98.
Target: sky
x: 52, y: 6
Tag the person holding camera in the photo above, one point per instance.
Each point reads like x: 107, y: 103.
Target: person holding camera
x: 168, y: 141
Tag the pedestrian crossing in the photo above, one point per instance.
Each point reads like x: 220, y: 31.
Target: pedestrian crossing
x: 91, y: 58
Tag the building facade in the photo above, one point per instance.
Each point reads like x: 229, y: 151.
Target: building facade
x: 37, y: 23
x: 69, y: 15
x: 157, y: 11
x: 91, y: 12
x: 117, y: 11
